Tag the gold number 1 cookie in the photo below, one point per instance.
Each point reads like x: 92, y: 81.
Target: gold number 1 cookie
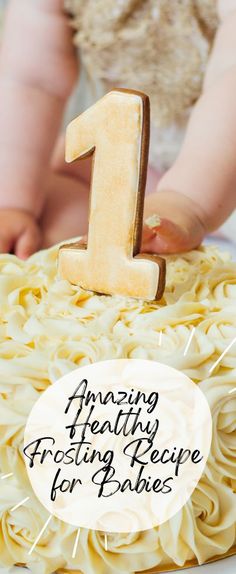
x: 116, y: 131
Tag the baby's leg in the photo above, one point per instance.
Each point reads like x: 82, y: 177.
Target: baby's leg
x: 67, y: 190
x: 66, y: 209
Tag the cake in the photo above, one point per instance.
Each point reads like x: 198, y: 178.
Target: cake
x: 49, y: 327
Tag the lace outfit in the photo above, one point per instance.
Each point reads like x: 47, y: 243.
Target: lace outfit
x: 156, y: 46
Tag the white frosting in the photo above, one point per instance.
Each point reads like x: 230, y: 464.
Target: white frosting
x: 47, y: 328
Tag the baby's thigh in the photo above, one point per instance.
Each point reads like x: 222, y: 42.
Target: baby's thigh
x: 66, y: 209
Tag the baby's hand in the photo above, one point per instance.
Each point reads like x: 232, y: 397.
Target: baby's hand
x: 19, y: 233
x: 173, y: 223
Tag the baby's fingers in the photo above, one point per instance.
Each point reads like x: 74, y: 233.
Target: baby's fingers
x: 173, y: 223
x: 165, y: 236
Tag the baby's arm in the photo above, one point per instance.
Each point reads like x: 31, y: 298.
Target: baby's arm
x: 37, y: 73
x: 199, y: 192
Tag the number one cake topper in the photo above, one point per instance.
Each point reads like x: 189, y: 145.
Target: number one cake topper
x: 116, y: 131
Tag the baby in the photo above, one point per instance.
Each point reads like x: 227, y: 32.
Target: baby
x: 43, y: 200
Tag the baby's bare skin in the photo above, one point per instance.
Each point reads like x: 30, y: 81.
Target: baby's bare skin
x: 47, y: 200
x: 37, y: 74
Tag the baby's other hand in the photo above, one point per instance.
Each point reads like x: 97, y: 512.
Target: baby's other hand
x: 19, y: 233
